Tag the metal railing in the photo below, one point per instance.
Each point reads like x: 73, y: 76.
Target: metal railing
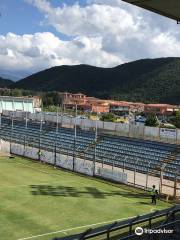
x: 168, y: 219
x: 138, y: 173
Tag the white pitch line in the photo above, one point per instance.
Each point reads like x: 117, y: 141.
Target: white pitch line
x: 71, y: 229
x: 154, y: 209
x: 75, y: 228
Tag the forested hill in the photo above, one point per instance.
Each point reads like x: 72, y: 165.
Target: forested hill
x: 148, y: 80
x: 5, y: 82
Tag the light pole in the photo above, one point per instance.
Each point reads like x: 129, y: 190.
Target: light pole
x: 55, y: 146
x: 95, y: 142
x: 75, y: 135
x: 149, y: 163
x: 40, y: 130
x: 0, y: 120
x: 135, y: 171
x: 12, y: 126
x: 161, y: 177
x: 175, y: 184
x: 27, y: 110
x: 114, y: 159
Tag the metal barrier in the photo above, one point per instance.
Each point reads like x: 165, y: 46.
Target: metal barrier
x: 36, y: 136
x: 120, y: 129
x: 167, y: 220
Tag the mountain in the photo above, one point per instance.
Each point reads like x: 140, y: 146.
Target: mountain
x: 147, y: 80
x: 13, y: 75
x: 5, y: 82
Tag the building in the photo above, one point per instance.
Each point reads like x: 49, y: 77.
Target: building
x: 160, y: 109
x: 66, y: 98
x: 119, y: 108
x: 98, y: 105
x: 83, y: 103
x: 122, y: 108
x: 136, y: 107
x: 27, y: 104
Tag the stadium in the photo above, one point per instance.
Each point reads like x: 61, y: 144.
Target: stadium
x: 86, y: 173
x: 64, y: 178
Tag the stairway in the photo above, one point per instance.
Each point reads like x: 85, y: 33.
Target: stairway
x: 171, y: 158
x: 90, y: 146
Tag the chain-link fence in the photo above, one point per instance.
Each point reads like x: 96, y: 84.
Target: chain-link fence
x: 88, y: 152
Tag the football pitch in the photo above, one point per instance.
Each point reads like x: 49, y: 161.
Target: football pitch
x: 40, y: 202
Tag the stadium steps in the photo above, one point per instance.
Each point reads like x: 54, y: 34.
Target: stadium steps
x: 171, y: 160
x: 90, y: 147
x: 130, y: 152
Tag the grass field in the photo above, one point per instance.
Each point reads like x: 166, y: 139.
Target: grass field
x: 36, y: 199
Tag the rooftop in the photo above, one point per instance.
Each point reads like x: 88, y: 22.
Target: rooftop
x: 167, y: 8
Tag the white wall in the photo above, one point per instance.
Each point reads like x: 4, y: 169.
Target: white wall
x: 4, y: 146
x: 131, y: 130
x: 14, y: 104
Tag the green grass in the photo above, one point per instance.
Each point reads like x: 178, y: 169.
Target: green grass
x: 36, y: 199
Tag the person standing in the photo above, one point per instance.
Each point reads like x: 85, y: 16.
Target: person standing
x: 39, y: 154
x: 153, y: 195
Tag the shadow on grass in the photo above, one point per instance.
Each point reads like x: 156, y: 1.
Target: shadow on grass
x: 65, y: 191
x: 144, y: 203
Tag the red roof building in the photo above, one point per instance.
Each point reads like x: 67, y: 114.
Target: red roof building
x: 160, y: 109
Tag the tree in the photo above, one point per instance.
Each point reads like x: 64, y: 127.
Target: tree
x: 109, y: 117
x: 151, y: 120
x: 16, y: 92
x: 176, y: 120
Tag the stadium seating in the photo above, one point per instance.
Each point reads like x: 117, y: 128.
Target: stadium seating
x: 118, y: 151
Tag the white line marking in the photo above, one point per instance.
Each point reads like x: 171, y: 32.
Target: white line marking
x: 75, y: 228
x: 154, y: 209
x: 71, y: 229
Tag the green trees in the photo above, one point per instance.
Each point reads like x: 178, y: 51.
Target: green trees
x: 147, y: 80
x: 176, y: 119
x: 109, y: 117
x: 16, y: 92
x: 151, y: 120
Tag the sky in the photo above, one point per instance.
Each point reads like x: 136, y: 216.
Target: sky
x: 39, y: 34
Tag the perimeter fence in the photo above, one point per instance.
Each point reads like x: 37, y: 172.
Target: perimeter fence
x: 121, y: 159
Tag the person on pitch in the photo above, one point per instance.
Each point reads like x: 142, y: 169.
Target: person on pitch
x: 154, y: 193
x: 39, y: 154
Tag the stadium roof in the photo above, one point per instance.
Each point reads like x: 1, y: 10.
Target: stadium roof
x: 168, y: 8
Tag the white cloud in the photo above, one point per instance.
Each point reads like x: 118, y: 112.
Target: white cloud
x: 102, y: 33
x: 167, y: 45
x: 91, y: 20
x: 121, y: 27
x: 43, y: 50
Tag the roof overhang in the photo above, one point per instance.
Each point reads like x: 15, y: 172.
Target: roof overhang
x: 167, y: 8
